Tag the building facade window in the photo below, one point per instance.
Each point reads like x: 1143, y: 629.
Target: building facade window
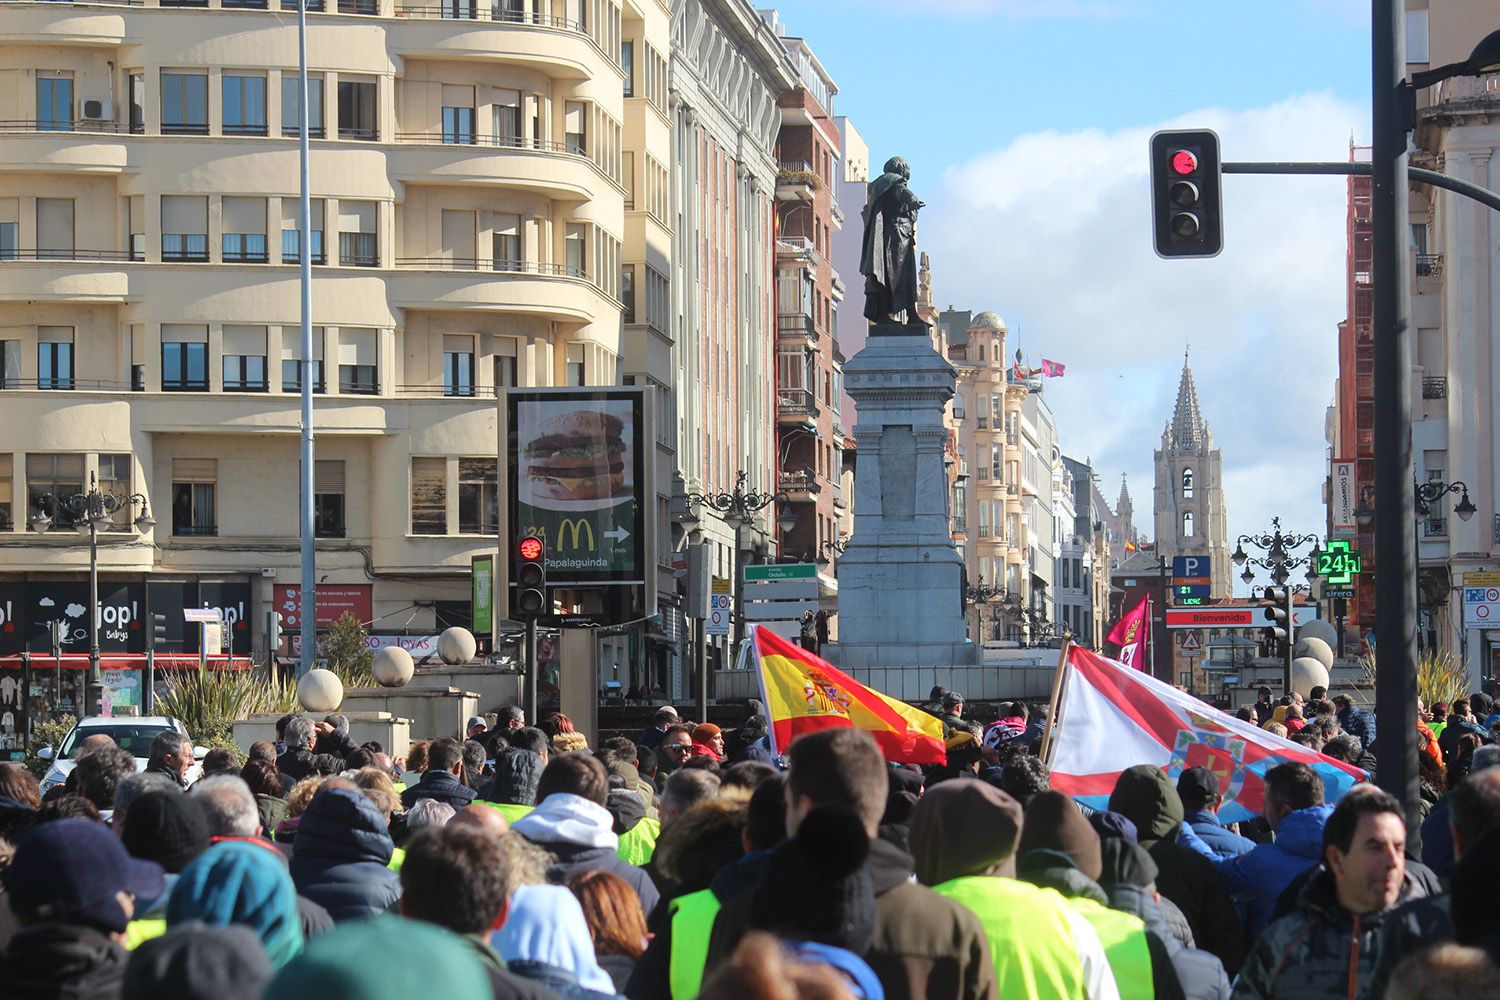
x: 478, y: 499
x: 507, y: 242
x: 358, y: 243
x: 54, y: 357
x: 194, y: 485
x: 429, y: 496
x: 244, y: 105
x: 184, y: 358
x: 627, y: 63
x: 291, y: 230
x: 506, y: 373
x: 115, y: 477
x: 507, y: 117
x: 575, y: 373
x: 59, y: 475
x: 358, y: 368
x: 244, y: 238
x: 328, y: 498
x: 54, y: 102
x: 291, y: 359
x: 184, y: 228
x: 458, y: 366
x: 358, y: 111
x: 575, y: 127
x: 244, y: 352
x: 7, y: 477
x: 1187, y: 484
x: 184, y: 103
x: 574, y: 250
x: 458, y: 115
x: 54, y: 228
x: 291, y: 105
x: 135, y: 91
x: 10, y: 364
x: 1187, y: 524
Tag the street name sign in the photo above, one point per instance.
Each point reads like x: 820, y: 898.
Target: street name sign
x: 769, y: 572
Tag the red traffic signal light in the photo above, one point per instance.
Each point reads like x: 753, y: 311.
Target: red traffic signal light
x: 530, y: 580
x: 531, y: 548
x: 1186, y: 210
x: 1184, y: 162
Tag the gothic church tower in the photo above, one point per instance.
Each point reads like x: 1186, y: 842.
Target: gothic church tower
x: 1190, y: 518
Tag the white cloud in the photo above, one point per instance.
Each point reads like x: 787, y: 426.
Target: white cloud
x: 1053, y: 232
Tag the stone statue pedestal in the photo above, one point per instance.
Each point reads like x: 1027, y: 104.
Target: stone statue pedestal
x: 900, y: 577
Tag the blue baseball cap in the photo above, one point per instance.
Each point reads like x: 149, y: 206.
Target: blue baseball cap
x: 72, y: 871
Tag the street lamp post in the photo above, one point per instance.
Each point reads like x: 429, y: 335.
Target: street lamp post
x: 91, y: 512
x: 1425, y: 495
x: 981, y: 594
x: 735, y: 507
x: 1280, y: 559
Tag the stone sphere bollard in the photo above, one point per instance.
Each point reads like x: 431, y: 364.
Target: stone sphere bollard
x: 1308, y: 673
x: 392, y: 667
x: 1319, y: 629
x: 456, y: 646
x: 320, y: 691
x: 1316, y: 648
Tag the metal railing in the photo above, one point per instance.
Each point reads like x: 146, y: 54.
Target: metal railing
x: 796, y: 402
x: 239, y: 385
x: 496, y: 12
x: 439, y: 391
x: 66, y: 255
x: 19, y: 126
x: 802, y: 482
x: 796, y: 325
x: 1435, y: 387
x: 1429, y: 265
x: 488, y: 264
x: 439, y: 138
x: 360, y: 134
x: 195, y: 530
x: 61, y: 384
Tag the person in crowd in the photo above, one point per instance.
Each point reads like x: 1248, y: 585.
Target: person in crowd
x: 416, y: 762
x: 517, y: 771
x: 1438, y: 719
x: 1347, y: 748
x: 131, y: 787
x: 925, y: 945
x: 740, y: 780
x: 764, y: 968
x: 381, y: 790
x: 263, y: 750
x: 389, y: 957
x: 475, y: 728
x: 264, y: 782
x: 172, y: 755
x: 685, y: 789
x: 342, y: 852
x: 1128, y: 878
x: 1357, y: 722
x: 460, y: 878
x: 1265, y: 705
x: 1275, y: 729
x: 616, y: 922
x: 571, y: 822
x: 428, y: 813
x: 220, y: 761
x: 953, y: 713
x: 1010, y: 726
x: 1296, y: 814
x: 1198, y: 787
x: 564, y: 735
x: 963, y: 837
x: 445, y: 763
x: 545, y: 939
x: 1293, y: 720
x: 476, y: 764
x: 228, y: 806
x: 72, y: 889
x: 1346, y: 928
x: 1022, y: 776
x: 198, y: 962
x: 296, y: 804
x: 242, y: 883
x: 651, y: 736
x: 171, y: 829
x: 299, y: 759
x: 1445, y: 972
x: 1145, y: 795
x: 675, y: 748
x: 100, y: 770
x: 333, y: 736
x: 1248, y: 713
x: 1461, y: 722
x: 708, y: 741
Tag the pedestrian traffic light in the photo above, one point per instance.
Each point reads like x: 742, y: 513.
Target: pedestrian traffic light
x: 1185, y: 193
x: 158, y: 630
x: 531, y: 578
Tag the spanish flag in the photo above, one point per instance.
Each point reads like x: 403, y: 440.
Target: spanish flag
x: 803, y: 694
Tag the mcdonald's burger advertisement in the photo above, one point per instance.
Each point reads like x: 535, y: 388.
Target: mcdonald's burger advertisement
x: 577, y: 476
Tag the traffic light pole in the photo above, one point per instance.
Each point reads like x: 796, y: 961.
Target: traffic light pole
x: 531, y: 672
x: 1291, y: 630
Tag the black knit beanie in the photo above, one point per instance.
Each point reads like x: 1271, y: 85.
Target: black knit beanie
x: 167, y: 827
x: 816, y: 886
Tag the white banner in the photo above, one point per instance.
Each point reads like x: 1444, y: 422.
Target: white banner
x: 421, y: 647
x: 1341, y: 498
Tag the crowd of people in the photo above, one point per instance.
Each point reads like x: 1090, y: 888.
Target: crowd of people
x: 516, y: 861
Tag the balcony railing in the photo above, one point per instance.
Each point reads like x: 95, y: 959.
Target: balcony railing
x: 88, y: 255
x: 1429, y: 265
x: 796, y: 402
x: 798, y: 482
x: 793, y: 173
x: 488, y: 264
x: 796, y: 325
x: 23, y: 125
x: 1435, y: 387
x: 439, y: 138
x: 796, y: 248
x: 498, y: 12
x: 64, y: 383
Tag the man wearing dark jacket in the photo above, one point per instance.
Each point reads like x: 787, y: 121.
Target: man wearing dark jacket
x: 1461, y: 722
x: 342, y: 852
x: 1346, y: 934
x: 459, y: 877
x: 298, y: 760
x: 518, y: 769
x: 571, y: 822
x: 1198, y: 787
x: 172, y: 756
x: 445, y: 761
x: 1357, y: 722
x: 925, y: 946
x: 72, y: 888
x: 333, y: 736
x: 1145, y: 796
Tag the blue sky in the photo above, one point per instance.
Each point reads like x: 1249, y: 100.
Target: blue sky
x: 1026, y: 123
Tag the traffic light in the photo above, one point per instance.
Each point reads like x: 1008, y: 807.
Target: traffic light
x: 1278, y: 623
x: 273, y: 631
x: 158, y: 630
x: 531, y: 578
x: 1188, y: 219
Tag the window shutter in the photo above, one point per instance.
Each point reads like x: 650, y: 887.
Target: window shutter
x: 245, y: 340
x: 184, y: 214
x: 183, y: 333
x: 245, y: 215
x: 328, y: 476
x: 195, y: 470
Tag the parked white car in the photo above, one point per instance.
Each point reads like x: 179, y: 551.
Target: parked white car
x: 132, y: 734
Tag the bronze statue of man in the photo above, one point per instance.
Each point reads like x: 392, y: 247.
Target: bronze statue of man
x: 889, y: 259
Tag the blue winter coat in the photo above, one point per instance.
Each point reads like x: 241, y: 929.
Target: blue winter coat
x: 1213, y: 833
x: 440, y: 785
x: 1359, y: 723
x: 1256, y: 878
x: 340, y: 856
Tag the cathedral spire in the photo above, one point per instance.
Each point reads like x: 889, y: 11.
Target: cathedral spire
x: 1187, y: 431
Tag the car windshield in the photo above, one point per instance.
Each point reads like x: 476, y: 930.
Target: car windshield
x: 135, y: 737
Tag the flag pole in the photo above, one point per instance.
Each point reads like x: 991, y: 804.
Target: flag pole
x: 751, y: 650
x: 1055, y: 703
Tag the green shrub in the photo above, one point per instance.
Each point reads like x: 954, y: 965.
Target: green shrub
x: 209, y: 702
x: 343, y: 647
x: 46, y: 733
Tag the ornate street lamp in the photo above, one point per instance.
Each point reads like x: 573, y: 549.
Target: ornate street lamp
x: 1431, y: 491
x: 735, y: 507
x: 1280, y: 559
x: 91, y: 513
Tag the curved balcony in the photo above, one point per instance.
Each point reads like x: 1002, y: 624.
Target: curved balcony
x: 550, y: 168
x: 51, y: 23
x: 555, y: 46
x: 63, y: 276
x: 85, y: 147
x: 553, y: 291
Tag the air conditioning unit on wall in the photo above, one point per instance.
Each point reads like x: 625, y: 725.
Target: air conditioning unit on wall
x: 97, y: 110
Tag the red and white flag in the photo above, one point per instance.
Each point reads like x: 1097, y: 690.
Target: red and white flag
x: 1053, y: 369
x: 1129, y: 634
